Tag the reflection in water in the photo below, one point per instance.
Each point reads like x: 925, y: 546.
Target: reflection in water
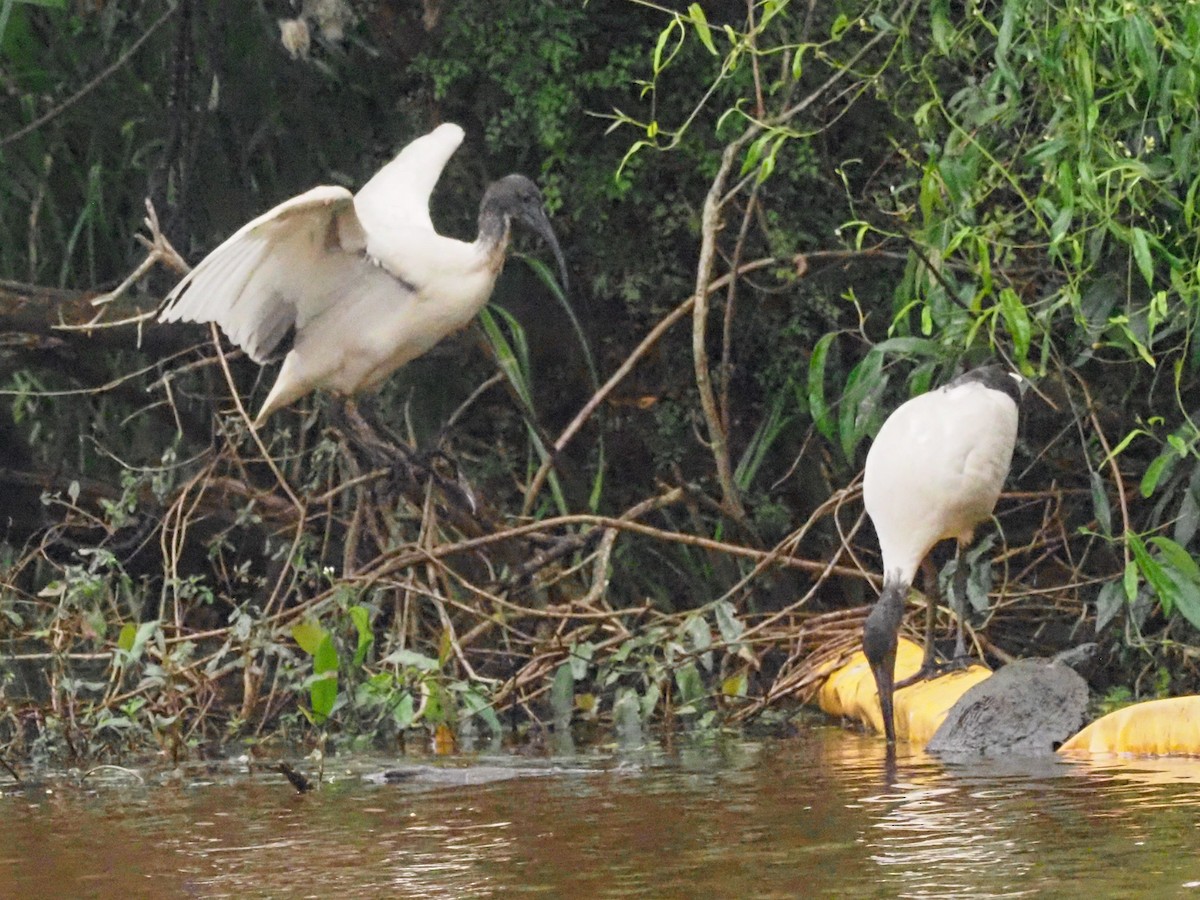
x: 818, y: 815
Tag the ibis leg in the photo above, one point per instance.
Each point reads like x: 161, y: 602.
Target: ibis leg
x: 383, y: 449
x: 378, y: 449
x: 960, y: 605
x: 929, y: 665
x: 930, y: 584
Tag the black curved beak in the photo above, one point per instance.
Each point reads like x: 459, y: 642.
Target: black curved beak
x: 884, y: 673
x: 537, y: 220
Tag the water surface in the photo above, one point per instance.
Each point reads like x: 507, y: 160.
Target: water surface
x: 815, y: 815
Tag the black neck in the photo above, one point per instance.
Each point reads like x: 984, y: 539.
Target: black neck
x: 883, y: 622
x: 494, y: 226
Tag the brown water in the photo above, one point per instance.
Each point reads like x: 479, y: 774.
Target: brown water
x: 806, y: 817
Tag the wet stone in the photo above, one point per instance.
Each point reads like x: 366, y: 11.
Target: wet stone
x: 1028, y: 708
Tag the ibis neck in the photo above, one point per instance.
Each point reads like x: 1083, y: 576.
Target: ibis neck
x: 880, y: 637
x: 883, y: 622
x: 494, y: 231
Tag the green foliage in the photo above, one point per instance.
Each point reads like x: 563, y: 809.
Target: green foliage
x: 1042, y: 173
x: 698, y: 667
x: 909, y: 188
x: 1064, y: 146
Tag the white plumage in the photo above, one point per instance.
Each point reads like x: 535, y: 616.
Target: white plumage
x: 934, y: 471
x: 364, y: 279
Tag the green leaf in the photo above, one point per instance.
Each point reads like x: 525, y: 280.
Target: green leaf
x: 403, y: 711
x: 434, y: 709
x: 768, y: 163
x: 755, y: 151
x: 1016, y: 318
x: 700, y: 23
x: 1129, y: 581
x: 691, y: 689
x: 326, y: 657
x: 859, y: 411
x: 1155, y: 470
x: 550, y: 279
x: 562, y: 695
x: 1187, y: 601
x: 735, y: 686
x: 1177, y: 557
x: 308, y: 635
x: 141, y: 636
x: 580, y: 657
x: 660, y: 46
x: 125, y: 638
x: 939, y: 25
x: 1100, y: 505
x: 1141, y: 254
x: 771, y: 427
x: 1012, y: 9
x: 1187, y: 520
x: 1153, y: 573
x: 1123, y: 443
x: 322, y: 691
x: 769, y: 9
x: 731, y: 627
x: 6, y: 7
x: 909, y: 346
x: 1109, y: 602
x: 482, y: 709
x: 816, y: 387
x: 1184, y: 575
x: 513, y: 359
x: 361, y: 617
x: 700, y: 637
x: 798, y: 60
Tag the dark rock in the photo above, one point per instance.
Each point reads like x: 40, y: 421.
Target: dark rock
x: 1081, y: 658
x: 1028, y: 708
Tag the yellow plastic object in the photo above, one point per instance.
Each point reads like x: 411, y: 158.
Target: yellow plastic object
x: 919, y: 709
x: 1168, y: 727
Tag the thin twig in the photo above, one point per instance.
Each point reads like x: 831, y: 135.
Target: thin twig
x: 93, y: 84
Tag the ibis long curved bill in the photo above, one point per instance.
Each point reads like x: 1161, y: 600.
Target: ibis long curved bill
x: 363, y: 280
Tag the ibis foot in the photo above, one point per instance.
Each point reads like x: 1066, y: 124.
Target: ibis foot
x: 931, y: 669
x: 379, y: 448
x: 406, y: 465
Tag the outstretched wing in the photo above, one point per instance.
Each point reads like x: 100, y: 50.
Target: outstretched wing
x: 275, y: 272
x: 397, y: 197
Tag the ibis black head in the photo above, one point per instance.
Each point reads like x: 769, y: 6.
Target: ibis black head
x: 994, y: 377
x: 515, y: 197
x: 880, y: 638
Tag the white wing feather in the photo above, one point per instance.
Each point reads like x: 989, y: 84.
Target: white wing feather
x: 353, y: 274
x: 272, y: 273
x: 275, y: 272
x: 396, y: 199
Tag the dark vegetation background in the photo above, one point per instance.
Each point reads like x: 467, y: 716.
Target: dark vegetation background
x: 813, y: 210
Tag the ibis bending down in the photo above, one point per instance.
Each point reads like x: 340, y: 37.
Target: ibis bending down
x: 934, y: 471
x: 363, y: 279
